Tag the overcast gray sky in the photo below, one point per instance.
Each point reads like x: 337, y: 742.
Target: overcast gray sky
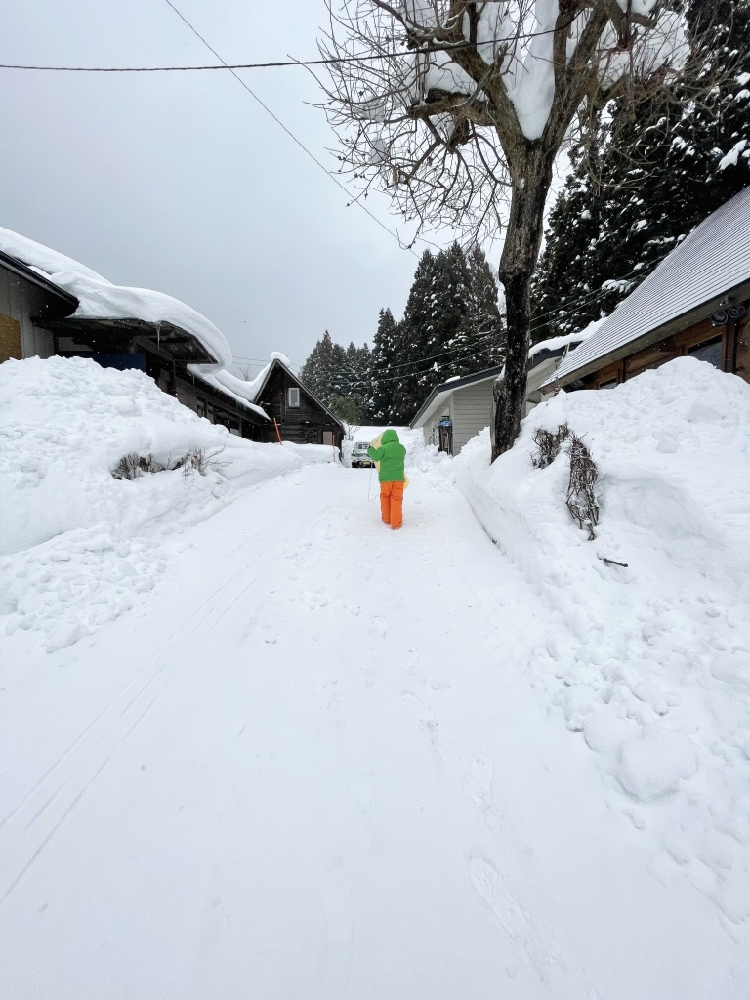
x: 182, y: 182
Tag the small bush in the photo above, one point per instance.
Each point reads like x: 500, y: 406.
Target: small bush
x: 581, y: 499
x: 134, y: 466
x: 548, y: 445
x: 198, y: 460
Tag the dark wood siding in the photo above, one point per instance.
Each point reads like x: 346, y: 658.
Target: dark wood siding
x: 303, y: 424
x: 735, y: 353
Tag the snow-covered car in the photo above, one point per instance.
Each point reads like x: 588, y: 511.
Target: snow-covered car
x: 360, y: 458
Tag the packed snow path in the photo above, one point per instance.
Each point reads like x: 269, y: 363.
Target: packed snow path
x: 312, y: 765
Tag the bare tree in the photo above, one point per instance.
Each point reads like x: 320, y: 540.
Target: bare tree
x: 460, y: 109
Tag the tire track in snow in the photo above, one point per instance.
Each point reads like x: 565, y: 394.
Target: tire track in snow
x: 82, y: 763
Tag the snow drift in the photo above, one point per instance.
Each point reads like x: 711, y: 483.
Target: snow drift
x: 647, y: 660
x: 77, y: 545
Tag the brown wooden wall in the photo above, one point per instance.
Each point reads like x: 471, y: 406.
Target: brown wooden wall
x: 303, y: 424
x: 735, y: 353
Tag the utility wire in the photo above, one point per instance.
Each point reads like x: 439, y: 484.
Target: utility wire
x: 280, y: 63
x: 468, y: 350
x: 291, y: 135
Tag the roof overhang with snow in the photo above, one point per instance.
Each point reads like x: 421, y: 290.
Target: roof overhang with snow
x: 441, y: 392
x: 16, y: 266
x: 161, y: 337
x: 710, y: 269
x: 99, y: 300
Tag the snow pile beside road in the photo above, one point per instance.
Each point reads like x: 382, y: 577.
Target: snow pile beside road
x: 648, y: 661
x: 78, y: 546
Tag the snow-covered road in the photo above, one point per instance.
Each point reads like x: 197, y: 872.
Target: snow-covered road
x: 313, y: 766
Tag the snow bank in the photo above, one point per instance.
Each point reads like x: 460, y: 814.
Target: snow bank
x: 99, y: 298
x: 78, y: 546
x: 648, y: 660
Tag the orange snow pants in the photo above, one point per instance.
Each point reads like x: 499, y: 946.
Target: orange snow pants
x: 391, y: 498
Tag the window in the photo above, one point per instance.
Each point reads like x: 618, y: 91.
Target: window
x: 610, y: 384
x: 709, y: 350
x: 292, y: 397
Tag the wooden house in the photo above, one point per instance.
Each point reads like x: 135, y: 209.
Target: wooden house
x: 695, y: 303
x: 457, y: 410
x: 299, y: 416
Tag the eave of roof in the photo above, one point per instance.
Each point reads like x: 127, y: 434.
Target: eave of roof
x: 29, y: 274
x: 675, y: 325
x: 710, y: 265
x: 180, y: 344
x: 445, y: 388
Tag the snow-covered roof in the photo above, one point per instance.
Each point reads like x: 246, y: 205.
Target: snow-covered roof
x: 100, y: 299
x: 566, y: 340
x: 228, y: 384
x: 553, y: 347
x: 248, y: 393
x: 711, y: 262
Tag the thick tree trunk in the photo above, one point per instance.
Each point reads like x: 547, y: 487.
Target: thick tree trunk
x: 520, y: 251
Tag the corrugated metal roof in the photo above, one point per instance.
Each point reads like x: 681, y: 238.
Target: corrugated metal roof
x: 710, y: 262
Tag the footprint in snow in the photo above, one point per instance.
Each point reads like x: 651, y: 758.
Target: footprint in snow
x: 510, y: 916
x: 418, y: 708
x: 480, y: 783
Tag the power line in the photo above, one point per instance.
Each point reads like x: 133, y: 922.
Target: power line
x: 291, y: 135
x: 281, y: 63
x: 477, y: 341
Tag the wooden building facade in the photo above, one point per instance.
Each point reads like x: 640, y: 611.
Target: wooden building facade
x: 696, y: 303
x: 29, y: 303
x: 299, y: 416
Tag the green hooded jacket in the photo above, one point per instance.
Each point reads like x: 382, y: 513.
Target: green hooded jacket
x: 390, y: 454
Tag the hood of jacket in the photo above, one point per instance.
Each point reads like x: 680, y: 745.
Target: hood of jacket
x: 388, y: 437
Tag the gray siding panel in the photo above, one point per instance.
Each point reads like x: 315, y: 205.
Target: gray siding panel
x: 472, y: 408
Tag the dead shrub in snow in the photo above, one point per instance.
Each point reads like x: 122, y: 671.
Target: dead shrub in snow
x: 198, y: 460
x: 134, y: 466
x: 548, y: 445
x: 581, y: 499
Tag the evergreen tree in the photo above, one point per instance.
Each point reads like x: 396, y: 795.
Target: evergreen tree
x: 412, y: 335
x: 647, y: 178
x: 486, y: 344
x: 451, y: 326
x: 382, y: 385
x: 318, y: 371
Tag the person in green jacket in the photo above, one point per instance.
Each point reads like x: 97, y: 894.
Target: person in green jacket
x: 390, y: 454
